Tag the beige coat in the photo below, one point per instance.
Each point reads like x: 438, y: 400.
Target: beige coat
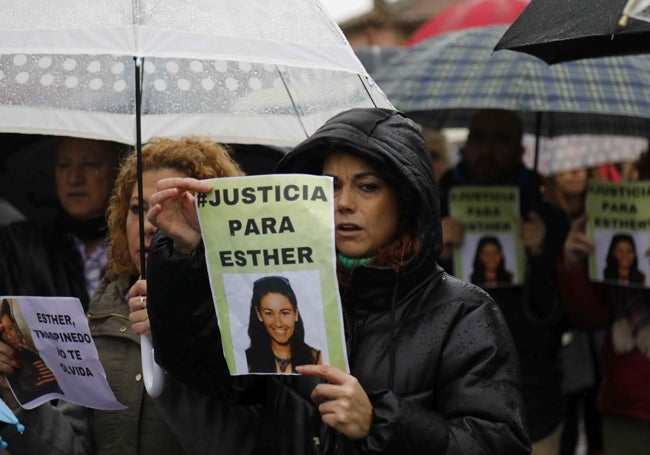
x: 139, y: 429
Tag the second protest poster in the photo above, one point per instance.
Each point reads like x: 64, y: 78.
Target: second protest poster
x: 492, y: 253
x: 619, y: 226
x: 274, y: 234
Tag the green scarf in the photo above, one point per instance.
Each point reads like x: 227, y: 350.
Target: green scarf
x: 349, y: 264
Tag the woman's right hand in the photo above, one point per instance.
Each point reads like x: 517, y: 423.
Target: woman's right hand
x: 577, y: 246
x: 173, y: 211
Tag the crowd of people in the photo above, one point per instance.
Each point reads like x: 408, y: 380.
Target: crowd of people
x: 436, y: 364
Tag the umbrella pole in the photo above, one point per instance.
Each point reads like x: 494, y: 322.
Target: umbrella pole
x: 152, y: 374
x: 529, y: 305
x: 138, y: 151
x: 538, y: 134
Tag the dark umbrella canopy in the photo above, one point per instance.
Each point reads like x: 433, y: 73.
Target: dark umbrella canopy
x: 563, y: 30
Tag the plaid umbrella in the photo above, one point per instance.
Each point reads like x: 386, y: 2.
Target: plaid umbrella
x: 442, y: 80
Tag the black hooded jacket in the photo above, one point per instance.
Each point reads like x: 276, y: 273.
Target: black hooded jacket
x: 433, y: 353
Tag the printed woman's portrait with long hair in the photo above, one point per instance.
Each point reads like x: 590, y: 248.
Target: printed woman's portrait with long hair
x: 489, y: 269
x: 276, y: 329
x: 622, y: 263
x: 32, y: 378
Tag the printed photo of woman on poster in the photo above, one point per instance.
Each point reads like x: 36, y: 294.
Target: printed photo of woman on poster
x: 622, y: 263
x: 32, y: 378
x: 489, y: 264
x: 276, y: 330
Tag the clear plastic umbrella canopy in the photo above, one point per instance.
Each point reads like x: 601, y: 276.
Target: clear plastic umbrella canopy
x: 246, y: 71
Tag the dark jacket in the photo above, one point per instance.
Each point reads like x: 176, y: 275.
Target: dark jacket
x: 433, y: 353
x: 42, y: 260
x: 533, y: 312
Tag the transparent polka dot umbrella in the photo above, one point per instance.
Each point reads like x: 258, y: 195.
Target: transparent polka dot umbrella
x: 246, y: 71
x: 239, y: 71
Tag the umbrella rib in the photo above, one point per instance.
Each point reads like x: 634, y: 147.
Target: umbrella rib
x: 293, y: 102
x: 367, y: 91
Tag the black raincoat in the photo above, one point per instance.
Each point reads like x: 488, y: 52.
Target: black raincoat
x: 433, y: 353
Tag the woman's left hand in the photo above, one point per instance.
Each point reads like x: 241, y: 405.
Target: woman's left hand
x: 342, y: 402
x: 138, y: 306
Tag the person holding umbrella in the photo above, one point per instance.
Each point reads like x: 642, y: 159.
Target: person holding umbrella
x: 432, y: 365
x: 493, y: 156
x: 118, y: 316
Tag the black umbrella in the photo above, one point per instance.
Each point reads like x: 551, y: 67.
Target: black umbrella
x: 563, y: 30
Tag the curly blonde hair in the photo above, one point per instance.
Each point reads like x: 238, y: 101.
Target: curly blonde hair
x: 195, y: 157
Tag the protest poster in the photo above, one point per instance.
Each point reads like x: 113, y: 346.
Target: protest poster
x: 492, y: 254
x: 56, y: 353
x: 273, y: 234
x: 619, y: 226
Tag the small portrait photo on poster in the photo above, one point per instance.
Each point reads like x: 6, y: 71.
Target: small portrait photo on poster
x: 32, y: 378
x: 493, y: 260
x: 277, y: 321
x: 622, y: 257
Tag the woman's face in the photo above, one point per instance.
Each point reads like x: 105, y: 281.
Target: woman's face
x: 10, y: 333
x: 491, y: 256
x: 572, y: 183
x: 149, y: 180
x: 366, y: 208
x: 278, y: 316
x: 624, y: 254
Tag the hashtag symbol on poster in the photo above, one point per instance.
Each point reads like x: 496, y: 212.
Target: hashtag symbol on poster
x: 201, y: 199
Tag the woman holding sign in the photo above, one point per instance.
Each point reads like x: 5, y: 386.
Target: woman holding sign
x: 118, y: 316
x: 432, y: 365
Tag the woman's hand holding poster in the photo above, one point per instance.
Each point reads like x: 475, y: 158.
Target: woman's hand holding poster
x: 269, y: 244
x: 492, y: 253
x: 619, y: 226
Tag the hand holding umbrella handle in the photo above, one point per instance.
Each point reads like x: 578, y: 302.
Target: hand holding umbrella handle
x: 152, y: 375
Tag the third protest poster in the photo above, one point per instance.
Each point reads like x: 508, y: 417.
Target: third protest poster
x: 491, y: 254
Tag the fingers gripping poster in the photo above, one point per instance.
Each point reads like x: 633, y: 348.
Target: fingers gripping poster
x: 54, y: 355
x: 491, y: 254
x: 269, y: 243
x: 619, y: 226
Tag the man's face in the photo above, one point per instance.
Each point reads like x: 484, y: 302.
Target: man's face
x: 493, y: 148
x: 84, y: 175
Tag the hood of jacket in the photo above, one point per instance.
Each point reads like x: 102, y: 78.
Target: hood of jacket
x: 392, y: 143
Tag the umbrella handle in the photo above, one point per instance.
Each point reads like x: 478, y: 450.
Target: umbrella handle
x: 152, y: 374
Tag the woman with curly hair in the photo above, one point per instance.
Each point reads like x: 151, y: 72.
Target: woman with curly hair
x: 117, y: 317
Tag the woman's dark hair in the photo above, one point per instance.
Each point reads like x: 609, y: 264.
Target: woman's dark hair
x: 259, y: 354
x: 611, y: 265
x: 478, y: 274
x: 6, y: 310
